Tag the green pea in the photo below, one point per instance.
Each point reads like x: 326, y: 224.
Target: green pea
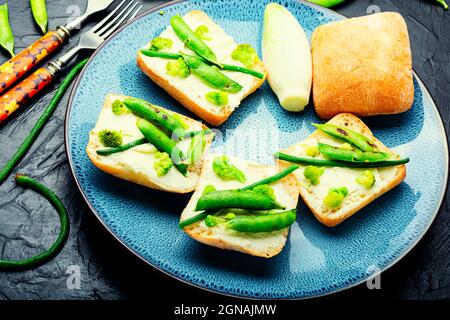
x: 263, y: 223
x: 366, y: 179
x: 335, y: 197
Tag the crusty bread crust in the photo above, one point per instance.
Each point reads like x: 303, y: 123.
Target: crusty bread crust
x: 126, y: 173
x: 355, y: 124
x: 363, y: 66
x: 209, y: 116
x: 290, y: 185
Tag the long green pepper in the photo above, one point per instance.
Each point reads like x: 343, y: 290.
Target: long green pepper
x: 6, y: 35
x: 39, y: 10
x: 12, y: 265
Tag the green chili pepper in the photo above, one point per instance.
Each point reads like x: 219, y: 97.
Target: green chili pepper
x: 211, y: 75
x: 357, y: 139
x: 280, y: 175
x: 124, y: 147
x: 327, y: 3
x: 226, y: 67
x: 263, y: 223
x: 6, y: 35
x: 56, y: 247
x: 163, y: 143
x: 156, y: 115
x: 342, y: 154
x: 34, y: 133
x: 191, y: 40
x: 236, y: 199
x: 39, y: 9
x: 336, y: 163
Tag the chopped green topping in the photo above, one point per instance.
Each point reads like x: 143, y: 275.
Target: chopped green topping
x: 158, y: 44
x: 335, y: 197
x: 211, y: 221
x: 110, y: 138
x: 346, y: 146
x: 163, y: 163
x: 218, y: 98
x: 227, y: 171
x: 313, y: 174
x: 178, y: 68
x: 208, y: 189
x: 265, y: 189
x: 118, y: 107
x: 366, y: 179
x: 312, y: 151
x: 201, y: 32
x: 245, y: 54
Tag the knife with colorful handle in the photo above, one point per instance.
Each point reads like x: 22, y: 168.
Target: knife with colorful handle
x: 90, y: 40
x: 22, y: 63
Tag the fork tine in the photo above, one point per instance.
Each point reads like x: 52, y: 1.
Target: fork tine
x: 118, y: 23
x: 109, y: 16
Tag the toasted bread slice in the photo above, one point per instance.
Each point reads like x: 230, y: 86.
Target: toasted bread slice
x: 136, y: 164
x: 358, y: 196
x: 191, y: 91
x: 260, y: 244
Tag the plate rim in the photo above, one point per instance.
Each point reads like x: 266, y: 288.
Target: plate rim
x: 128, y: 248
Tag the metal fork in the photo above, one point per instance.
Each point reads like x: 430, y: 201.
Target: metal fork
x: 90, y: 40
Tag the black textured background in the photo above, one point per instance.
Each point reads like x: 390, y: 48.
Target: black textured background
x: 28, y: 224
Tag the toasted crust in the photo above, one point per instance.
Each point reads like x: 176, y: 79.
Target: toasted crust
x: 363, y: 66
x: 355, y: 124
x: 204, y: 235
x: 140, y: 178
x: 202, y: 111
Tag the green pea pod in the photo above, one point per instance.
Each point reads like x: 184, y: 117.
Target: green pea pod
x: 357, y: 139
x: 190, y: 39
x: 263, y: 223
x: 163, y: 143
x: 39, y: 10
x: 236, y: 199
x: 157, y: 115
x: 211, y: 75
x: 336, y: 163
x: 6, y: 36
x: 341, y: 154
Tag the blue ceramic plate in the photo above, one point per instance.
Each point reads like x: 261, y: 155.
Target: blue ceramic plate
x: 316, y: 260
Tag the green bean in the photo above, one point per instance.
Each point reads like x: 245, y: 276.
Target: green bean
x: 227, y: 67
x: 6, y: 35
x: 280, y: 175
x: 39, y: 9
x: 191, y: 134
x: 357, y: 139
x: 263, y: 223
x: 25, y: 146
x: 157, y: 115
x: 341, y: 154
x: 190, y: 39
x: 248, y: 199
x: 47, y: 255
x: 124, y: 147
x: 336, y: 163
x: 327, y: 3
x: 163, y: 143
x: 211, y: 75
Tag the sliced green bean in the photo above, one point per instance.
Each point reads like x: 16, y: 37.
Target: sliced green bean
x: 336, y: 163
x: 190, y: 39
x: 248, y: 199
x: 25, y: 146
x: 211, y: 75
x: 341, y: 154
x: 124, y: 147
x: 157, y: 115
x: 39, y: 10
x: 357, y: 139
x: 227, y: 67
x: 163, y: 143
x: 6, y: 35
x: 191, y: 134
x: 47, y: 255
x: 263, y: 223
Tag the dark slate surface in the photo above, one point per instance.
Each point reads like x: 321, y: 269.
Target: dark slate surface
x: 108, y: 271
